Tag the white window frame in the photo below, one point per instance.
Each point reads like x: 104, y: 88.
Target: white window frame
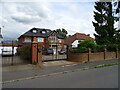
x: 28, y: 39
x: 40, y: 39
x: 59, y: 40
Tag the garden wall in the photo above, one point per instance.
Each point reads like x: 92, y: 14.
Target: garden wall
x: 97, y: 56
x: 118, y: 55
x: 78, y: 57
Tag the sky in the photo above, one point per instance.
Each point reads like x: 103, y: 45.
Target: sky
x: 17, y: 17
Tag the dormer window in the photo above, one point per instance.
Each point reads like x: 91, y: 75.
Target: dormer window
x: 43, y: 32
x: 34, y: 31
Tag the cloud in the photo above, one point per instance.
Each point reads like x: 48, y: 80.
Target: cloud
x: 24, y: 18
x: 2, y: 19
x: 28, y: 12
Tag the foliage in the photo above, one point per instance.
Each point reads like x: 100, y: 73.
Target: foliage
x: 87, y: 44
x: 24, y: 52
x: 100, y: 48
x: 84, y: 45
x: 79, y: 50
x: 34, y: 63
x: 117, y: 37
x: 116, y: 10
x: 62, y: 32
x: 104, y: 25
x: 111, y: 47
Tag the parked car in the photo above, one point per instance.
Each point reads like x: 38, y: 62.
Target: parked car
x: 47, y: 51
x: 64, y: 51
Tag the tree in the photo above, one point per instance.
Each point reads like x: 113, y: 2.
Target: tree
x: 104, y: 25
x: 62, y: 32
x: 116, y: 5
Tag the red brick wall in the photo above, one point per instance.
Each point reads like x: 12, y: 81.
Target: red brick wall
x: 21, y: 40
x: 118, y: 55
x: 78, y: 57
x: 110, y: 55
x: 97, y: 56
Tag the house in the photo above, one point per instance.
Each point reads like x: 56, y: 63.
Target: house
x: 45, y: 37
x: 76, y: 38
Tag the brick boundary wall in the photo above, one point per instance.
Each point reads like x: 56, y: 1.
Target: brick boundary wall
x: 97, y: 56
x: 118, y: 55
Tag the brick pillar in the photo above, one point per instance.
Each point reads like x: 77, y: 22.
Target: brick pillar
x: 105, y: 53
x: 40, y: 55
x: 89, y: 52
x: 34, y: 52
x: 117, y: 53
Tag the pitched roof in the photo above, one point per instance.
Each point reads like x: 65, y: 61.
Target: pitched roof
x: 77, y: 36
x: 40, y: 32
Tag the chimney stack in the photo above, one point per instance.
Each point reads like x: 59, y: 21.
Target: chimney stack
x: 88, y: 35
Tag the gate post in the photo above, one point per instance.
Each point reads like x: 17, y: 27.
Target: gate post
x: 34, y: 52
x: 40, y: 55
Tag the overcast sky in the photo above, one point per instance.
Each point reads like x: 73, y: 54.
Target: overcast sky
x: 19, y: 17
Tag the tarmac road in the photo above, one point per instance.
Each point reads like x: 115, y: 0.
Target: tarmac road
x: 106, y: 77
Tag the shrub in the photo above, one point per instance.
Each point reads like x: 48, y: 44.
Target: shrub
x: 24, y: 52
x: 79, y: 50
x: 118, y: 47
x: 111, y: 47
x: 100, y: 48
x: 84, y: 45
x: 87, y: 43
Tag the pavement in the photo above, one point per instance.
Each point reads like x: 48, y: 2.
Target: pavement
x: 24, y: 71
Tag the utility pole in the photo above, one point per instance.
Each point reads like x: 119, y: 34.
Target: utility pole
x: 12, y: 52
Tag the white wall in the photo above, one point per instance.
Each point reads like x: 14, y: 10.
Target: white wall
x: 7, y: 48
x: 75, y: 43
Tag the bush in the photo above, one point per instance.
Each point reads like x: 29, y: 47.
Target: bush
x: 79, y: 50
x: 111, y: 47
x: 100, y: 48
x: 118, y: 47
x: 84, y: 45
x: 87, y: 43
x: 24, y: 52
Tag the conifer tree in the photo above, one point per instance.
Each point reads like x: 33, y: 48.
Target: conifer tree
x: 104, y: 25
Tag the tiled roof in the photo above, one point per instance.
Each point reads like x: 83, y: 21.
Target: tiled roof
x: 39, y: 33
x: 77, y: 36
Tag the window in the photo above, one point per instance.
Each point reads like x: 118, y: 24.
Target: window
x: 34, y: 31
x: 59, y: 40
x: 43, y: 32
x: 28, y: 39
x: 53, y: 38
x: 40, y: 39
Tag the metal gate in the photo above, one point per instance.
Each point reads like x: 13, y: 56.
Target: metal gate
x: 54, y: 52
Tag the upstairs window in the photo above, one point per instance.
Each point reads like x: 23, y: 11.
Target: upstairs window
x: 28, y: 39
x: 40, y: 39
x: 34, y: 31
x: 53, y: 38
x: 59, y: 40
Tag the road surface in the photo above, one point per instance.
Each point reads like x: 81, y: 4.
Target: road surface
x: 106, y: 77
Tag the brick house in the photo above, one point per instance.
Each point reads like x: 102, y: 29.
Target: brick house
x: 76, y: 38
x: 45, y: 37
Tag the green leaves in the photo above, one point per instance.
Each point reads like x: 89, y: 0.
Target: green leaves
x: 62, y: 32
x: 104, y: 25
